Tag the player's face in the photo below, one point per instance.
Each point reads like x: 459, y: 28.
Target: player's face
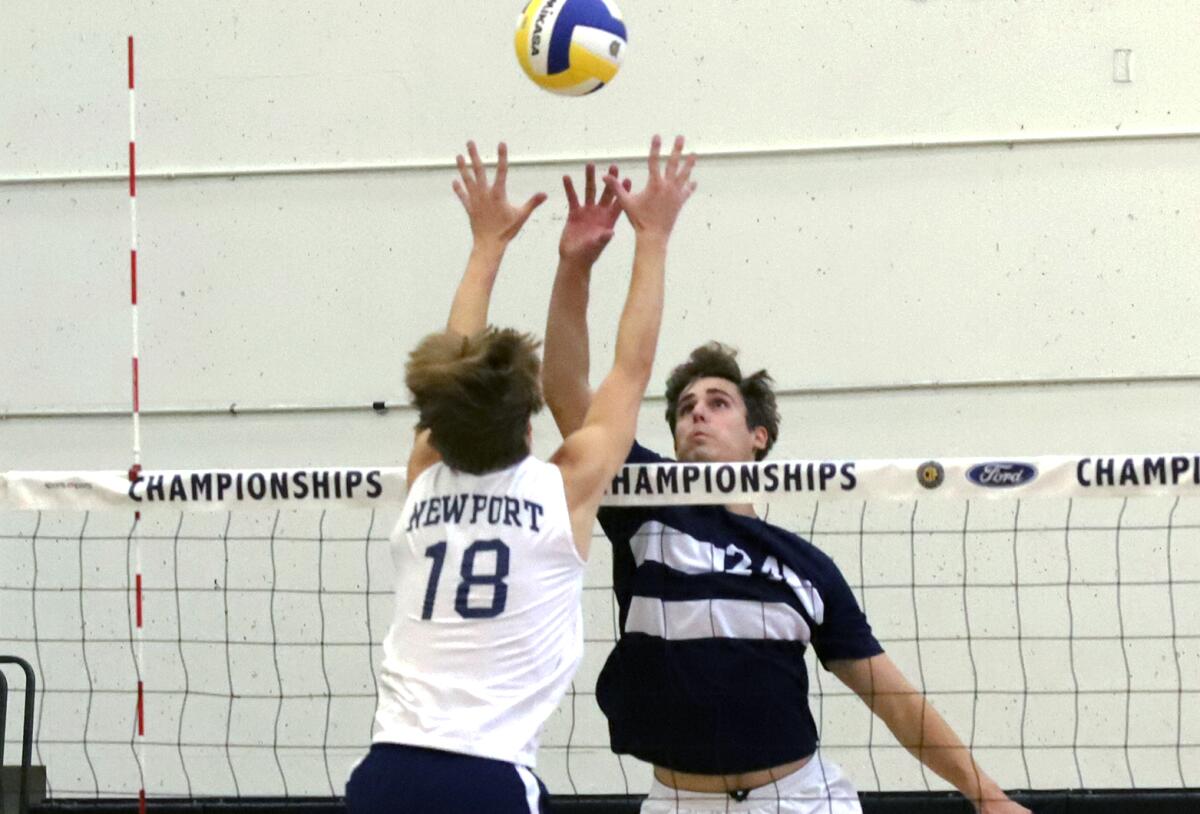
x: 710, y: 424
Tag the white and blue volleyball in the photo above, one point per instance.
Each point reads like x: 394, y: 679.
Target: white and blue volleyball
x: 571, y: 47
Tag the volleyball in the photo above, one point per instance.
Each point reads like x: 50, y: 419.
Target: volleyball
x: 571, y: 47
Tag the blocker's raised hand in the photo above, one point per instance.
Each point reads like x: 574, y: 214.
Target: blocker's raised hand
x: 653, y: 210
x: 493, y: 219
x: 590, y: 224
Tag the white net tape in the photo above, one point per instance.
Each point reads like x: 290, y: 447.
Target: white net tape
x: 666, y: 484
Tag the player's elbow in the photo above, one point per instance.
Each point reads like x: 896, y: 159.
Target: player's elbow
x: 568, y: 415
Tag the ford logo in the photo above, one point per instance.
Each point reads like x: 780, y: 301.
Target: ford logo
x: 1001, y: 474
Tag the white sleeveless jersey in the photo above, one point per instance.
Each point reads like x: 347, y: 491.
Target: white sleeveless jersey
x: 488, y: 626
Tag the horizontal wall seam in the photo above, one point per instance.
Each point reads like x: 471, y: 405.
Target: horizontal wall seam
x: 236, y: 408
x: 832, y: 148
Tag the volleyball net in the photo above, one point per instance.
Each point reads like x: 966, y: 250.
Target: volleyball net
x: 217, y: 633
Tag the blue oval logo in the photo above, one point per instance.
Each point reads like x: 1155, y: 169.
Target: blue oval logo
x: 1001, y: 474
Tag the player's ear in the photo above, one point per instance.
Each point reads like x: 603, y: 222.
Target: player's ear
x: 759, y: 438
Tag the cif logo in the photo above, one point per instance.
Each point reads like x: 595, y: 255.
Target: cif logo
x: 1001, y: 474
x: 931, y: 474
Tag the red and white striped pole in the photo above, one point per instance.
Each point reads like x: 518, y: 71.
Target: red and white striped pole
x: 133, y: 279
x: 136, y: 468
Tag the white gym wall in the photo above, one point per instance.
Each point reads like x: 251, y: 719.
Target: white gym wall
x: 298, y: 233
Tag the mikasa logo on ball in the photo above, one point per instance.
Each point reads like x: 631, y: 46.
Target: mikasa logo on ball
x: 538, y: 25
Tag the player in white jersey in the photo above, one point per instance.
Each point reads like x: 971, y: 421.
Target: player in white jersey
x: 492, y: 542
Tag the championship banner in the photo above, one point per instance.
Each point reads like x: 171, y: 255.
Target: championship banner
x: 205, y: 489
x: 907, y: 479
x: 635, y: 484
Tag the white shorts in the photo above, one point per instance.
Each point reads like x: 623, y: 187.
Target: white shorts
x: 818, y: 787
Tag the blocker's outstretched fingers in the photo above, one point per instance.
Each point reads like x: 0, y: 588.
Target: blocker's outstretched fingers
x: 501, y: 165
x: 527, y: 210
x: 589, y: 184
x: 608, y: 196
x: 626, y: 185
x: 477, y: 164
x: 673, y: 159
x: 655, y: 150
x: 654, y: 208
x: 686, y: 172
x: 572, y: 198
x: 468, y: 181
x: 460, y: 192
x: 495, y: 220
x: 620, y: 190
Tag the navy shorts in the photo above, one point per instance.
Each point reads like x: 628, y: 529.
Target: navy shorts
x: 399, y: 779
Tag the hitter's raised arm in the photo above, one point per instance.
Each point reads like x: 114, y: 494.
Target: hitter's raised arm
x: 494, y: 223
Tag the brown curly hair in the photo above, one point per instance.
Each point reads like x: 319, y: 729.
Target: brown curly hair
x: 475, y: 395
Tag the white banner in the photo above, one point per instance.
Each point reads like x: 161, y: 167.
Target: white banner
x: 636, y: 484
x: 909, y: 479
x: 204, y: 489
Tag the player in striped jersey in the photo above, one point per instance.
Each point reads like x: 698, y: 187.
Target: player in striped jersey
x: 707, y: 681
x: 492, y: 542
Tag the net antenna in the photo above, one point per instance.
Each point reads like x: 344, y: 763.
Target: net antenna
x: 136, y: 630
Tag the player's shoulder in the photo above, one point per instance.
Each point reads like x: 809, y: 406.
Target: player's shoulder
x: 529, y: 472
x: 427, y: 477
x: 639, y: 454
x: 546, y: 474
x: 801, y: 550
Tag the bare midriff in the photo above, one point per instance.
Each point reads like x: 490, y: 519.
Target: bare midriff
x: 714, y: 783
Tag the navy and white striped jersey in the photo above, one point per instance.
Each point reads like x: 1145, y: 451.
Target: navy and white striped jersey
x: 716, y: 610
